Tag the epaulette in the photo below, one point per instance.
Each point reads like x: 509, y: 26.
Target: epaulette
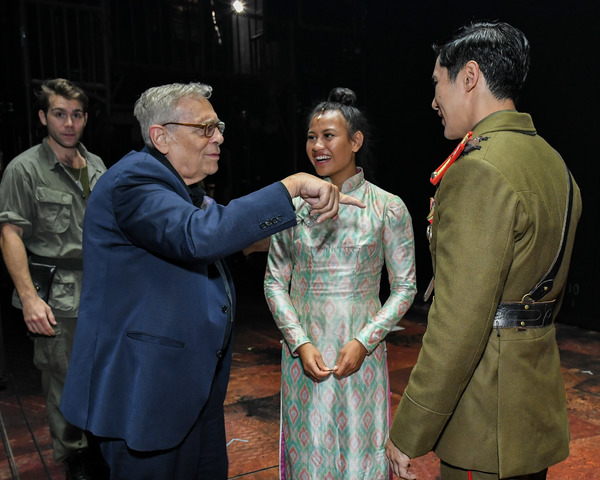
x: 466, y: 145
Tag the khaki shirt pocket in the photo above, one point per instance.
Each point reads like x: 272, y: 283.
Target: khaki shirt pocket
x: 54, y: 209
x: 63, y: 296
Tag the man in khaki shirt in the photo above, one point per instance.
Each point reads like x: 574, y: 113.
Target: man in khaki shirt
x: 43, y: 196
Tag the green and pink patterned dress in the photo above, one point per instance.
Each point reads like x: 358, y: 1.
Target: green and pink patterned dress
x: 322, y: 286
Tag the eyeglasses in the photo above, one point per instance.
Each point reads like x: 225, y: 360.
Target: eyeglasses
x: 207, y: 128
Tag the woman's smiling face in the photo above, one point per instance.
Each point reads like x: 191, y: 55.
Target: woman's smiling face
x: 330, y: 148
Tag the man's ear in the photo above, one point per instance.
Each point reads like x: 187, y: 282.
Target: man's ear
x: 357, y: 141
x: 472, y: 74
x: 42, y: 116
x: 160, y: 138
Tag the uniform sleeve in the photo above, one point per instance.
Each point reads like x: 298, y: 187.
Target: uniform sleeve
x: 277, y: 287
x: 472, y: 244
x: 17, y: 200
x: 398, y: 247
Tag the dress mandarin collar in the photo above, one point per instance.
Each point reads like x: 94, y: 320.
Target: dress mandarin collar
x: 353, y: 182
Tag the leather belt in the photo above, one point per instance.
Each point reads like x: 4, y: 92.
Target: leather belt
x: 60, y: 263
x: 524, y: 315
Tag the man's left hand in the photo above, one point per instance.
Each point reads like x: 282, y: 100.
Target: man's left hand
x: 259, y: 246
x: 399, y: 462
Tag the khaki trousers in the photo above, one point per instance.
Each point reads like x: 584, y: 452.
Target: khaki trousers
x: 51, y: 356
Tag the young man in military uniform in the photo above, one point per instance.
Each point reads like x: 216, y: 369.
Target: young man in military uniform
x: 487, y: 394
x: 43, y: 196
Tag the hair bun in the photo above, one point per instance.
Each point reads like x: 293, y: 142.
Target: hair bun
x: 342, y: 95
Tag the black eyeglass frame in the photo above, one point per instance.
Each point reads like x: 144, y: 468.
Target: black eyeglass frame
x: 203, y: 126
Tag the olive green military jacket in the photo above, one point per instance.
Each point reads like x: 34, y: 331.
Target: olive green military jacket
x: 486, y: 399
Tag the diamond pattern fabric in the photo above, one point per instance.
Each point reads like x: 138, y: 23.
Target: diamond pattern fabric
x: 322, y: 286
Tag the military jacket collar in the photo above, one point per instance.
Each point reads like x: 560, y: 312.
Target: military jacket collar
x: 505, y: 120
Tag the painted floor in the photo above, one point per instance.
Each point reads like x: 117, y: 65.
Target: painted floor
x: 252, y: 404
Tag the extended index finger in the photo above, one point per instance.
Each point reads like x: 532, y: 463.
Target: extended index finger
x: 348, y: 200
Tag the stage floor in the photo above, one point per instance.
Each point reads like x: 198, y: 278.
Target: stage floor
x: 252, y: 404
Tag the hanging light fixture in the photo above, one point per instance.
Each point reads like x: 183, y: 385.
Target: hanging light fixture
x: 238, y: 6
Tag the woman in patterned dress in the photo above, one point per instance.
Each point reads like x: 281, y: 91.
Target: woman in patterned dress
x: 322, y: 287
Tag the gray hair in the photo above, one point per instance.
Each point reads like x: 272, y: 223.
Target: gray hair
x: 158, y: 105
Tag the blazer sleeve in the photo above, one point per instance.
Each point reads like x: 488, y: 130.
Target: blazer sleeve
x: 472, y: 248
x: 153, y: 209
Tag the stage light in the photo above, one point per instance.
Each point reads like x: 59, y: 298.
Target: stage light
x: 238, y: 6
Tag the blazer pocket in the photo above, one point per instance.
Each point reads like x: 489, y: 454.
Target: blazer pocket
x: 155, y: 339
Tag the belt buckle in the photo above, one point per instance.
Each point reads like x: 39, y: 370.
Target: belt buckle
x: 525, y: 299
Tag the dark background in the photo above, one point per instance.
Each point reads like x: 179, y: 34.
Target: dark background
x: 270, y: 65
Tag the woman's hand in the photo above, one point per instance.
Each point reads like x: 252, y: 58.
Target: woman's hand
x: 312, y: 362
x: 350, y: 359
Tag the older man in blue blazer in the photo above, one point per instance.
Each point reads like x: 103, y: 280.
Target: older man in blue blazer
x: 150, y: 364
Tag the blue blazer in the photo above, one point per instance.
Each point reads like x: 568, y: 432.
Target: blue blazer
x: 152, y: 318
